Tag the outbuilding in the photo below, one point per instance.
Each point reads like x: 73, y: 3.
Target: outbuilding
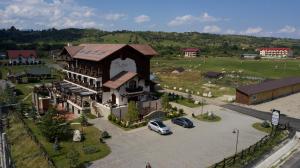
x: 266, y: 91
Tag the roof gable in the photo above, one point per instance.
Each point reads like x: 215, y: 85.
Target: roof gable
x: 97, y: 52
x: 120, y: 79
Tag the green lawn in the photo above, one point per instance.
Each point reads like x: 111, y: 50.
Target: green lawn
x: 186, y: 102
x: 92, y: 135
x: 260, y: 128
x: 261, y: 68
x: 25, y: 152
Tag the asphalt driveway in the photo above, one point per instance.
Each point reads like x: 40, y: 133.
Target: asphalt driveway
x: 200, y: 146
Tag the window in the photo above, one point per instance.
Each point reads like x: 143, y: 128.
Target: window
x: 254, y: 97
x: 132, y: 84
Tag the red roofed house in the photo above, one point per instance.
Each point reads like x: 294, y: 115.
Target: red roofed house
x: 191, y: 52
x: 103, y: 78
x: 275, y: 52
x: 22, y: 57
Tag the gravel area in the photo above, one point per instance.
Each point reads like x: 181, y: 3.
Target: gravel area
x: 201, y: 146
x: 288, y: 105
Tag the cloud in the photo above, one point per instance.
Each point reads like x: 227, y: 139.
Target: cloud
x: 211, y: 29
x: 188, y: 19
x: 29, y: 14
x: 252, y: 30
x: 205, y: 17
x: 114, y: 16
x: 230, y: 31
x: 287, y: 29
x: 180, y: 20
x: 141, y: 19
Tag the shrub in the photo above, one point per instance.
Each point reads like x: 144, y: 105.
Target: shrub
x: 105, y: 135
x: 174, y: 108
x: 265, y: 124
x: 181, y: 111
x: 90, y: 150
x: 110, y: 117
x: 113, y: 118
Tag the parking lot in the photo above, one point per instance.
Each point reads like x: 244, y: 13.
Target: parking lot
x: 288, y: 105
x: 200, y: 146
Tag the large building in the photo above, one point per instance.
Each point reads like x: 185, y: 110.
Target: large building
x: 22, y: 57
x: 275, y: 52
x: 266, y: 91
x: 191, y: 52
x: 103, y: 78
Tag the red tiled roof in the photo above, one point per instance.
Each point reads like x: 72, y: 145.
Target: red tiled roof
x: 119, y: 79
x: 274, y: 48
x: 21, y: 53
x: 269, y: 85
x: 97, y: 52
x: 191, y: 49
x: 72, y: 50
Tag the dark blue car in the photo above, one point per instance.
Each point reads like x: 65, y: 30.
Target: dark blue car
x: 184, y: 122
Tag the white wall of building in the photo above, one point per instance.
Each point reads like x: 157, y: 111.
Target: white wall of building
x: 120, y: 100
x: 118, y: 65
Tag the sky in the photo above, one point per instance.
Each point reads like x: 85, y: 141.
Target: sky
x: 275, y: 18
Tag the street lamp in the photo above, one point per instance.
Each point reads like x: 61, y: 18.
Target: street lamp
x: 237, y: 132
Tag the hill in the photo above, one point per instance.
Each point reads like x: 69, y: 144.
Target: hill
x: 166, y: 43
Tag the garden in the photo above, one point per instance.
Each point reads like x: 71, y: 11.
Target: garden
x: 57, y: 139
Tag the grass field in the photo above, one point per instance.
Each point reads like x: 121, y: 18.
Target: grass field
x: 260, y: 128
x: 25, y: 152
x: 92, y: 135
x: 192, y: 78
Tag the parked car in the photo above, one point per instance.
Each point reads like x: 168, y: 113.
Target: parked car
x: 159, y: 126
x: 184, y: 122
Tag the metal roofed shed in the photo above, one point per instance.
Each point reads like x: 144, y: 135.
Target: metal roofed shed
x: 266, y: 91
x: 212, y: 74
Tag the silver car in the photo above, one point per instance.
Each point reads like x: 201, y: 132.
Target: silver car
x: 159, y: 126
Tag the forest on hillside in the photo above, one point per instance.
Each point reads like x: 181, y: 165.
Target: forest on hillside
x: 166, y: 43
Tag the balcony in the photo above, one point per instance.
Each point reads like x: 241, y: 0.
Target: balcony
x: 134, y: 90
x: 86, y: 85
x: 83, y: 71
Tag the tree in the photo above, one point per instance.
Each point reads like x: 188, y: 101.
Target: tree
x: 53, y: 126
x: 73, y: 157
x: 165, y: 102
x: 132, y: 113
x: 83, y: 120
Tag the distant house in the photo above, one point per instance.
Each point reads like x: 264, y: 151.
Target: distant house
x: 275, y: 52
x: 250, y: 56
x: 2, y: 55
x: 22, y: 57
x: 191, y: 52
x: 33, y: 74
x: 212, y: 74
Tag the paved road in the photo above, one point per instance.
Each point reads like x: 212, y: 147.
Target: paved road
x: 295, y: 123
x: 198, y: 147
x: 292, y: 162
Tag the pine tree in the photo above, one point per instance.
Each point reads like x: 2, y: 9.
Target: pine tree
x: 132, y: 113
